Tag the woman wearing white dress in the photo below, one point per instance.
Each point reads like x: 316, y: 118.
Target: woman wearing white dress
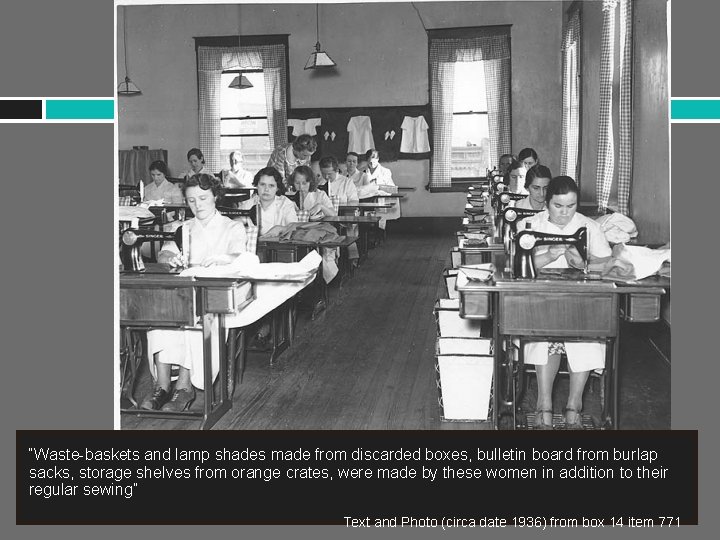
x: 236, y: 176
x: 214, y: 240
x: 382, y: 176
x: 561, y: 217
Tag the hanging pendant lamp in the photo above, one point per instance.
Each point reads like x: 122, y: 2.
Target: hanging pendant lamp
x: 241, y: 82
x: 127, y: 87
x: 318, y: 58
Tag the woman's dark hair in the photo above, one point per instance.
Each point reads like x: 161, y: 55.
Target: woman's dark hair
x: 370, y: 152
x: 307, y: 172
x: 197, y: 153
x: 526, y: 153
x: 159, y: 166
x: 305, y: 142
x: 352, y: 154
x: 329, y: 161
x: 204, y: 181
x: 270, y: 171
x: 560, y: 185
x: 536, y: 171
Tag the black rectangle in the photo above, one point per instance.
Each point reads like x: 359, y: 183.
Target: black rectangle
x: 21, y: 109
x: 111, y: 479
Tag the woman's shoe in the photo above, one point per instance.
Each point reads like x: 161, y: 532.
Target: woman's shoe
x: 181, y: 400
x: 156, y: 400
x: 540, y: 419
x: 575, y: 420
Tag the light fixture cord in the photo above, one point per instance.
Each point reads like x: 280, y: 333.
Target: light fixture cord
x: 125, y: 40
x: 419, y: 16
x: 317, y: 23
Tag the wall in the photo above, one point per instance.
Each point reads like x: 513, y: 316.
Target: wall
x: 381, y: 52
x: 650, y: 197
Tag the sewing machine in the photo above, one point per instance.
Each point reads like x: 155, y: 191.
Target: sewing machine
x: 132, y: 240
x: 509, y: 218
x: 527, y: 240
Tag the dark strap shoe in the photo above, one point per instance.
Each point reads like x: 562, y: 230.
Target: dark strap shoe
x: 181, y: 400
x: 154, y: 402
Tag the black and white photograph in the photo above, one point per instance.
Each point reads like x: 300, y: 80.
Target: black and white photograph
x: 431, y: 215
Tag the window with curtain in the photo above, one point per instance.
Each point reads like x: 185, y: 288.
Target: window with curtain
x: 570, y: 145
x: 470, y: 102
x: 253, y: 120
x: 244, y: 120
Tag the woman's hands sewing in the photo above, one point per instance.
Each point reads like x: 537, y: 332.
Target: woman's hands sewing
x: 573, y: 258
x: 178, y: 261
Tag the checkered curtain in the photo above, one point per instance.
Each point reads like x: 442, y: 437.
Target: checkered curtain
x: 571, y: 98
x: 626, y: 127
x: 442, y: 82
x: 212, y: 61
x: 606, y: 156
x: 494, y: 51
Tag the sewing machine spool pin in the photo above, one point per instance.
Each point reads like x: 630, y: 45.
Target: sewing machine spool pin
x: 526, y: 241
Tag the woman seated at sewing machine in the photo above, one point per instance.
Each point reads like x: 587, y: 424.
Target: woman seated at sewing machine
x: 236, y: 176
x: 196, y: 161
x: 214, y: 240
x: 307, y: 196
x: 160, y: 189
x: 376, y: 173
x: 536, y: 182
x: 515, y: 178
x: 528, y: 157
x: 272, y: 208
x: 561, y: 217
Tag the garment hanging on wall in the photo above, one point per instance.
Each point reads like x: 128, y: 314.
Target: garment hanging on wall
x: 361, y: 137
x: 414, y: 135
x: 303, y: 127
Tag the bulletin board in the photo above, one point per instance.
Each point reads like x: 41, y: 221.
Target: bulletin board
x: 384, y: 120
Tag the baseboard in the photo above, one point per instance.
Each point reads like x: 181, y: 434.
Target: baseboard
x: 425, y: 225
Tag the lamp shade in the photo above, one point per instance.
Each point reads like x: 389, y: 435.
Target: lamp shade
x: 128, y: 88
x: 319, y: 59
x: 241, y: 82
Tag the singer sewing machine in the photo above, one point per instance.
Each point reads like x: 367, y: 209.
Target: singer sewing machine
x: 509, y: 218
x: 500, y: 200
x: 527, y: 240
x: 132, y: 240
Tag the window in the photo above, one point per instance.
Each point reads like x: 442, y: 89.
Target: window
x: 470, y: 133
x: 253, y: 120
x: 243, y: 119
x: 470, y: 102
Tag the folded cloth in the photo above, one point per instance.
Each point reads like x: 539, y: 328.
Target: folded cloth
x: 617, y: 227
x: 306, y: 233
x: 629, y: 263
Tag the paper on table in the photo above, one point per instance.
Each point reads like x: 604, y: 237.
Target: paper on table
x: 247, y: 265
x: 478, y: 272
x: 126, y: 213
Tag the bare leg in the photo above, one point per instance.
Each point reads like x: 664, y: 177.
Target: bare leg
x: 574, y: 402
x: 545, y: 381
x: 163, y: 374
x: 183, y: 382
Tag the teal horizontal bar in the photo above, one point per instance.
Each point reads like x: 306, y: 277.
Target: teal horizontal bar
x: 80, y: 109
x: 695, y: 109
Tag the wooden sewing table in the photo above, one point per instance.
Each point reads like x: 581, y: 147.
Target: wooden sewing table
x: 558, y: 306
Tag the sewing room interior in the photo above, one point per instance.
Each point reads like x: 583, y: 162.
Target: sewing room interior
x: 393, y: 215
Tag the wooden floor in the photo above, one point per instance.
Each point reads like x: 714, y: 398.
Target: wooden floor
x: 367, y: 362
